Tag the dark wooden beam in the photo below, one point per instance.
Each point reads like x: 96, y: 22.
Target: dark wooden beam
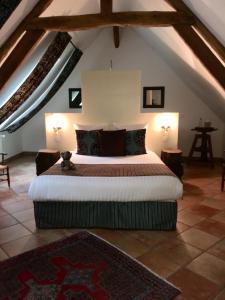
x: 13, y: 38
x: 106, y: 7
x: 116, y: 35
x: 202, y: 51
x: 26, y: 43
x: 83, y: 22
x: 180, y: 6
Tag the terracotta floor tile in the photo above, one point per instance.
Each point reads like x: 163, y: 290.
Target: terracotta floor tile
x: 108, y: 235
x: 21, y: 245
x: 176, y: 251
x: 181, y: 227
x: 12, y: 233
x: 220, y: 217
x: 50, y: 235
x: 210, y: 267
x: 194, y: 286
x: 215, y: 203
x: 218, y: 249
x: 6, y: 221
x: 25, y: 215
x: 147, y: 237
x: 2, y: 212
x: 212, y: 226
x: 131, y: 246
x: 204, y: 211
x: 3, y: 255
x: 17, y: 206
x: 159, y: 263
x: 189, y: 218
x: 30, y: 225
x: 198, y: 238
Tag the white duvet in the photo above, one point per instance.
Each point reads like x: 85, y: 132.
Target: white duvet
x: 135, y: 188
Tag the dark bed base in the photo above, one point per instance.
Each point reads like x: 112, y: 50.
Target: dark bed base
x: 144, y: 215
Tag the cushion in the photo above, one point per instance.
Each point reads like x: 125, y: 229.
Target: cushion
x: 88, y: 142
x: 135, y: 142
x: 112, y: 143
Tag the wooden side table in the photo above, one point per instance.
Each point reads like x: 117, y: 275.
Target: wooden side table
x: 45, y: 159
x: 173, y: 159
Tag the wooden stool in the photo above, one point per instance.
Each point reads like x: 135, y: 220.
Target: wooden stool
x: 4, y: 171
x: 223, y: 176
x: 205, y: 148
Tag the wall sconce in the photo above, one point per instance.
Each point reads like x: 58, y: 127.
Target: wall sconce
x: 56, y: 129
x: 165, y: 129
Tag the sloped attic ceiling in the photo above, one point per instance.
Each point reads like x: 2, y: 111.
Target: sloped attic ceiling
x: 165, y: 40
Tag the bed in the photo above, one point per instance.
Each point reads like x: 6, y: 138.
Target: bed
x: 120, y: 202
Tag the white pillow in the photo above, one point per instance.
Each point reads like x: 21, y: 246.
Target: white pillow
x: 89, y: 127
x: 130, y: 126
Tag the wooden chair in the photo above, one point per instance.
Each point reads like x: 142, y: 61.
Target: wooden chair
x: 4, y: 170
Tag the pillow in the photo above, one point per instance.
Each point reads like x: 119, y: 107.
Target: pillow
x: 88, y: 142
x: 130, y: 126
x: 112, y: 143
x: 89, y: 126
x: 135, y: 142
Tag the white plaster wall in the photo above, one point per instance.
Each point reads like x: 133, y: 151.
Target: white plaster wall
x: 133, y: 53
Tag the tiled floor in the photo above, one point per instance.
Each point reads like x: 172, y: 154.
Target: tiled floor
x: 192, y: 257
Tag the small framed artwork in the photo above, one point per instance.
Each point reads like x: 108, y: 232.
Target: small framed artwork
x: 75, y: 99
x: 153, y: 97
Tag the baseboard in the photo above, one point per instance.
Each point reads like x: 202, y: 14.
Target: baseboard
x: 21, y: 154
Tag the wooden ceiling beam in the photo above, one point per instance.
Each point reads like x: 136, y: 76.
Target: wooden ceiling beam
x: 180, y: 6
x: 83, y: 22
x: 107, y: 8
x: 38, y: 9
x: 26, y: 43
x: 203, y: 52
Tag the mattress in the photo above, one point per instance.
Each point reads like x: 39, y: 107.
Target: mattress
x: 125, y: 189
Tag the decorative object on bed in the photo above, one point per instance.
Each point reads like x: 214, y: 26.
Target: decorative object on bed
x: 75, y: 100
x: 153, y: 97
x: 81, y: 266
x: 135, y: 142
x: 88, y: 142
x: 66, y: 164
x: 112, y: 143
x: 45, y: 159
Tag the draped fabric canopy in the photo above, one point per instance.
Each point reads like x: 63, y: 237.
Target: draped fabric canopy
x: 37, y: 89
x: 6, y: 9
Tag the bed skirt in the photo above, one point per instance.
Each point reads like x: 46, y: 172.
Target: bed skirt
x: 142, y: 215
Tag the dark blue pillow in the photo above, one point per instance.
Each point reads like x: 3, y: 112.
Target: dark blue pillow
x: 135, y: 142
x: 88, y: 142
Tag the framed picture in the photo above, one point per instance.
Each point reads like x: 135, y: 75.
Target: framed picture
x: 75, y: 100
x: 153, y: 97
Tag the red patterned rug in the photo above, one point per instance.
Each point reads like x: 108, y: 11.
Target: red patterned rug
x: 81, y: 267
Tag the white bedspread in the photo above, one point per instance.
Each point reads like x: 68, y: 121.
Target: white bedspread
x: 75, y: 188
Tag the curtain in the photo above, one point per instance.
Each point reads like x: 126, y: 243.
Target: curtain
x: 54, y: 83
x: 39, y: 73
